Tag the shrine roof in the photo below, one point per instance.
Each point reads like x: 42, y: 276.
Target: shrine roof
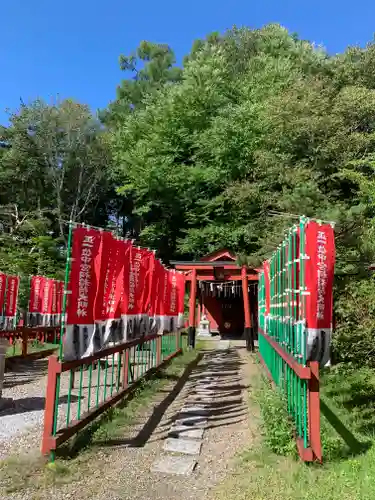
x: 192, y: 263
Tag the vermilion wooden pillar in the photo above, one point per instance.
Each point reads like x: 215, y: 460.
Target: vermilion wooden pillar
x: 246, y: 303
x: 192, y: 306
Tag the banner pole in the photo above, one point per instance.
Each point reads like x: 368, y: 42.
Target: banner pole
x: 16, y: 302
x: 62, y: 331
x: 5, y: 303
x: 66, y: 281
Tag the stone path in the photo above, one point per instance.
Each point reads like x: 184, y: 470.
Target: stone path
x: 186, y: 434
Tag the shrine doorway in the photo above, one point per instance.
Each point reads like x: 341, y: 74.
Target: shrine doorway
x: 222, y: 304
x: 223, y: 292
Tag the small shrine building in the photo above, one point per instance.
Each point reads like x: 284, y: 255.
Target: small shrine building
x: 226, y: 294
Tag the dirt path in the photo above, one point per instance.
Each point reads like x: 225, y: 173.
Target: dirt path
x: 122, y: 469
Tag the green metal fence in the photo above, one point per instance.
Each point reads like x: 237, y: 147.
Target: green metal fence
x: 79, y: 391
x: 282, y: 339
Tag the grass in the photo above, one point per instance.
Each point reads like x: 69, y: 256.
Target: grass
x: 16, y: 349
x: 271, y: 469
x: 79, y: 455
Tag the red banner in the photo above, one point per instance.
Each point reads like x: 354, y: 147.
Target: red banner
x: 145, y: 277
x: 122, y: 283
x: 54, y: 291
x: 36, y: 287
x: 171, y: 302
x: 180, y: 299
x: 84, y: 275
x: 266, y: 269
x: 319, y: 272
x: 161, y: 292
x: 114, y: 288
x: 11, y: 296
x: 154, y: 295
x: 151, y: 285
x: 3, y: 282
x: 137, y: 295
x: 60, y: 296
x: 106, y: 270
x: 319, y: 275
x: 180, y: 293
x: 47, y: 296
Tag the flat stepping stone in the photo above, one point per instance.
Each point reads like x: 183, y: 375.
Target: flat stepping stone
x: 185, y: 446
x: 196, y: 421
x: 204, y: 392
x: 194, y: 410
x: 200, y: 397
x: 186, y: 432
x: 181, y: 465
x: 202, y: 401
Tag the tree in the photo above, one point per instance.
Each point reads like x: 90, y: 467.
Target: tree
x: 151, y: 67
x: 57, y: 163
x: 261, y: 128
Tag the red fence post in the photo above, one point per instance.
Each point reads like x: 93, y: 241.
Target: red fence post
x: 314, y: 410
x: 158, y: 350
x: 178, y: 336
x: 54, y: 367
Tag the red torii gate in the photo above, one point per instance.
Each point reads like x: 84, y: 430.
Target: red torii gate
x: 219, y: 267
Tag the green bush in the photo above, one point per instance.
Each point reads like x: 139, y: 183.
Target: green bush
x: 354, y: 336
x: 276, y: 425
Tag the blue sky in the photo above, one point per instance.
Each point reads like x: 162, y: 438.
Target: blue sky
x: 71, y: 48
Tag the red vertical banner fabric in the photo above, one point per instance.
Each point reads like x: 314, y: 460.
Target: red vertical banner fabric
x: 137, y: 284
x: 11, y: 300
x: 109, y: 322
x: 46, y: 301
x: 266, y: 269
x: 3, y: 284
x: 54, y: 292
x: 163, y: 302
x: 105, y: 269
x: 319, y: 275
x: 114, y: 290
x: 144, y: 297
x: 84, y: 275
x: 180, y: 278
x: 153, y: 295
x: 158, y: 297
x: 35, y: 300
x: 87, y: 248
x: 171, y: 302
x: 60, y: 297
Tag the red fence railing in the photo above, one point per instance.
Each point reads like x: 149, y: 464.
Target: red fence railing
x: 26, y: 336
x: 103, y: 379
x: 286, y: 373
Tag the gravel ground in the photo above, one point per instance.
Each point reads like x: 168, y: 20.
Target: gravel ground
x: 21, y: 422
x: 121, y: 470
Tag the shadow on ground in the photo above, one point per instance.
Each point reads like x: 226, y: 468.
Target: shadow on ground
x: 84, y: 438
x: 228, y: 410
x: 354, y: 446
x: 227, y: 406
x: 24, y: 372
x: 25, y: 405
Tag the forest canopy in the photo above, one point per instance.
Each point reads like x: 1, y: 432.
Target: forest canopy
x: 255, y: 128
